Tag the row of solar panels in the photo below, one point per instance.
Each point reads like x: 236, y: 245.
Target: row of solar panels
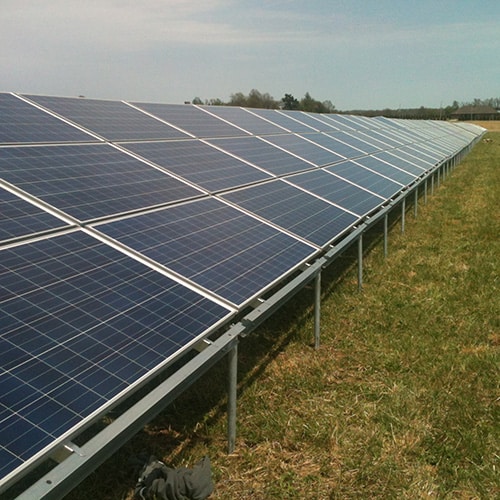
x: 127, y: 234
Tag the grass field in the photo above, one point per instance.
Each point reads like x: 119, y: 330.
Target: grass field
x: 401, y: 400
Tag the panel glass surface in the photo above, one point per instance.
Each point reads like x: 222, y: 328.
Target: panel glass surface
x: 89, y: 181
x: 193, y: 120
x: 21, y: 122
x: 294, y: 210
x: 400, y: 163
x: 199, y: 163
x: 216, y: 246
x: 412, y: 158
x: 341, y: 122
x: 310, y: 120
x: 338, y: 191
x: 355, y: 142
x: 113, y: 120
x: 283, y: 120
x: 261, y: 153
x: 389, y: 171
x: 247, y: 121
x: 19, y: 218
x: 304, y: 149
x: 366, y: 178
x: 381, y: 138
x: 81, y: 325
x: 338, y: 147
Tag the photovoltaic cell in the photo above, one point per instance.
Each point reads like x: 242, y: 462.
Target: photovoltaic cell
x: 214, y: 245
x: 247, y: 121
x: 82, y: 324
x: 337, y: 146
x: 19, y: 218
x: 338, y: 191
x: 113, y: 120
x: 423, y: 164
x: 406, y: 165
x: 304, y: 149
x: 260, y: 153
x: 295, y: 210
x: 389, y: 171
x: 366, y: 178
x: 283, y: 120
x: 199, y: 163
x: 89, y: 181
x: 355, y: 142
x: 21, y: 122
x: 193, y: 120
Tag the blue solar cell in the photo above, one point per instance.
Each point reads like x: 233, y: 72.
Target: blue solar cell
x: 214, y: 245
x: 192, y: 119
x: 113, y: 120
x: 295, y: 210
x: 423, y: 164
x: 199, y: 163
x: 69, y: 350
x: 338, y: 147
x: 338, y: 191
x: 21, y: 122
x: 355, y: 142
x: 245, y: 120
x: 310, y: 120
x: 89, y: 181
x: 283, y: 120
x: 383, y: 139
x: 19, y: 218
x: 366, y: 178
x: 341, y: 122
x: 264, y: 155
x: 304, y: 149
x: 389, y: 171
x: 406, y: 165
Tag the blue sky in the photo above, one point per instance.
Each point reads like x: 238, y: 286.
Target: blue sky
x: 360, y: 54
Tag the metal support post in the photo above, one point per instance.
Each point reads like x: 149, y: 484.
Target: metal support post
x: 403, y: 212
x: 415, y: 204
x: 360, y: 262
x: 231, y: 399
x: 438, y: 176
x: 317, y: 309
x: 432, y: 184
x: 425, y: 192
x: 386, y: 223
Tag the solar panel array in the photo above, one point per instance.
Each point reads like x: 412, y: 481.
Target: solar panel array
x: 130, y: 231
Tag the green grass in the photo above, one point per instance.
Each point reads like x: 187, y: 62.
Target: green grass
x: 401, y: 400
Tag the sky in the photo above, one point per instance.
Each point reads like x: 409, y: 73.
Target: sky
x: 359, y: 54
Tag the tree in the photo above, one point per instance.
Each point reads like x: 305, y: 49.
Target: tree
x: 197, y: 100
x: 289, y: 102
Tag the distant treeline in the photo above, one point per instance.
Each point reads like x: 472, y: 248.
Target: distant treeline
x: 256, y: 99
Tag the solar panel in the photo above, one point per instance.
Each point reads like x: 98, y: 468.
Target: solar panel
x: 192, y: 119
x: 89, y: 181
x: 308, y: 120
x: 199, y: 163
x: 341, y: 122
x: 404, y: 164
x: 18, y: 218
x: 82, y: 324
x: 260, y: 153
x: 365, y: 178
x: 338, y: 191
x: 389, y: 171
x: 214, y: 245
x: 412, y: 158
x: 294, y: 210
x: 361, y: 145
x: 304, y: 149
x: 283, y: 120
x: 245, y: 120
x: 113, y: 120
x: 21, y: 122
x: 333, y: 144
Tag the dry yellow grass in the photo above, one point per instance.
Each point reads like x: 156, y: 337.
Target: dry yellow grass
x: 490, y: 125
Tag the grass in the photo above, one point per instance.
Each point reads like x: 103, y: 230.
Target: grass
x: 402, y: 398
